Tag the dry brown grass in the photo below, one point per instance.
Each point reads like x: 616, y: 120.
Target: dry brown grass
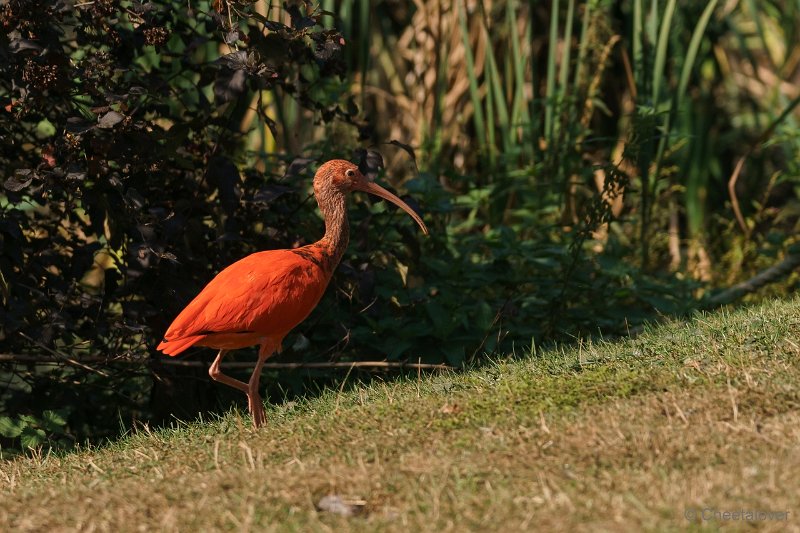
x: 623, y: 436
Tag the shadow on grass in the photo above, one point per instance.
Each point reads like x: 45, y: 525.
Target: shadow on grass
x: 184, y: 394
x: 168, y: 395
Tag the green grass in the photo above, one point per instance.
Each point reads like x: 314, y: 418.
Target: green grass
x: 605, y: 436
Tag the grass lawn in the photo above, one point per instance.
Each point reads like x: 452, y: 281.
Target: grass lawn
x: 689, y: 419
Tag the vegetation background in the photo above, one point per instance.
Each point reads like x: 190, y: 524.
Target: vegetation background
x: 584, y: 167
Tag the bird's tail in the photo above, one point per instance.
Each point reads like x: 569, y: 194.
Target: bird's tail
x: 175, y: 346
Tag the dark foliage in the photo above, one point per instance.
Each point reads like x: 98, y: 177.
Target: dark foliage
x: 121, y: 147
x: 127, y: 186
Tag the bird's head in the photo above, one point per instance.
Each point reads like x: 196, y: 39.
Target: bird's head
x: 342, y: 177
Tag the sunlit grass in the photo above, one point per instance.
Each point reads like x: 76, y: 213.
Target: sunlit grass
x: 613, y: 435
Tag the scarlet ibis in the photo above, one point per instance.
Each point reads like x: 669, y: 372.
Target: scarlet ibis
x: 259, y: 299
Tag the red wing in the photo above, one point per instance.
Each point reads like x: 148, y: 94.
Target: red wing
x: 267, y: 293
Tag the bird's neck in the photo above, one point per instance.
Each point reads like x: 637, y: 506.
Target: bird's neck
x: 333, y: 205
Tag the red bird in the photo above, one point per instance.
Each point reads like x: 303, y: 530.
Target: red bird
x: 259, y: 299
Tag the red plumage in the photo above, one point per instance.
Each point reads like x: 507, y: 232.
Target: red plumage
x: 256, y: 300
x: 259, y: 299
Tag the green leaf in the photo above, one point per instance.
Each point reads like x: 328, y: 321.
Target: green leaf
x: 53, y: 422
x: 454, y: 353
x: 10, y: 428
x: 484, y: 316
x: 441, y: 318
x: 29, y: 420
x: 397, y: 349
x: 32, y: 437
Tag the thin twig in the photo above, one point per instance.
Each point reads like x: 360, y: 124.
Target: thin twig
x: 37, y: 359
x: 766, y: 134
x: 62, y: 357
x: 496, y: 319
x: 732, y: 193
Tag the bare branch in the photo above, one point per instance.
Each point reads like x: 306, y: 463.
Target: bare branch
x: 40, y: 359
x: 64, y: 358
x: 768, y: 275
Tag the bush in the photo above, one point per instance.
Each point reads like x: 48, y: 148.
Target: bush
x: 148, y: 145
x: 122, y: 142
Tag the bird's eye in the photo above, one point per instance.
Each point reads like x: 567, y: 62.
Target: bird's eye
x: 350, y: 173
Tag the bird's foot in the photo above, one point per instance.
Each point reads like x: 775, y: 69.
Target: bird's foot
x: 257, y: 412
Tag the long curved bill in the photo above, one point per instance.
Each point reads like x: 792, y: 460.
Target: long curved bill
x: 377, y: 190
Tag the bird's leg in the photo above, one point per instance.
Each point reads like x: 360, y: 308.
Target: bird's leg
x: 217, y: 375
x: 253, y: 398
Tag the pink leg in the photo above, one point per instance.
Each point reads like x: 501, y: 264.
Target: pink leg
x: 217, y: 375
x: 254, y: 401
